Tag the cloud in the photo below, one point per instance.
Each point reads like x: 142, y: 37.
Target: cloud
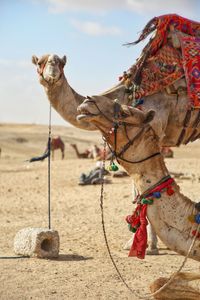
x: 95, y: 28
x: 59, y: 6
x: 138, y: 6
x: 173, y: 6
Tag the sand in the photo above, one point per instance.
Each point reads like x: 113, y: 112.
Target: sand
x: 83, y: 269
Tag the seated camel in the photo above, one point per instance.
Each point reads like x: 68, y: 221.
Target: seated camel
x: 84, y: 154
x: 173, y: 216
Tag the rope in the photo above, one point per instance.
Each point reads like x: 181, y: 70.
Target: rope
x: 148, y: 295
x: 49, y: 171
x: 104, y: 229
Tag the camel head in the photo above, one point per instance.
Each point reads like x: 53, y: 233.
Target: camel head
x: 104, y: 114
x: 49, y: 67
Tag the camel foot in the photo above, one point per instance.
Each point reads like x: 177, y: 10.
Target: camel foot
x: 152, y: 252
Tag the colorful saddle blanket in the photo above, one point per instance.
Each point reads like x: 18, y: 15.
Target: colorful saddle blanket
x: 161, y: 63
x: 191, y: 59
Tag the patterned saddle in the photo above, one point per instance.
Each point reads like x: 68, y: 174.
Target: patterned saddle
x: 173, y: 52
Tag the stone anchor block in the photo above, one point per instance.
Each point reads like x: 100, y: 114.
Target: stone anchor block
x: 37, y: 242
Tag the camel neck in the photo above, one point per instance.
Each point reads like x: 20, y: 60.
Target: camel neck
x: 65, y: 101
x: 61, y: 90
x: 148, y: 173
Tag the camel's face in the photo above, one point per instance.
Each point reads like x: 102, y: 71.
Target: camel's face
x: 100, y: 111
x: 50, y: 67
x: 97, y: 110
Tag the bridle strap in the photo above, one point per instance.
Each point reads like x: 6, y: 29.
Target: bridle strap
x: 41, y: 69
x: 130, y: 141
x: 139, y: 161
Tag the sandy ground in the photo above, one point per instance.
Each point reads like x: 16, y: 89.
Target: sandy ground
x: 83, y: 269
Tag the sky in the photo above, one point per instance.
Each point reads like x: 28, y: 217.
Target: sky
x: 91, y: 33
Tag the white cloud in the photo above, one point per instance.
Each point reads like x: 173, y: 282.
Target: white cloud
x: 95, y: 28
x: 170, y: 6
x: 140, y: 6
x: 59, y: 6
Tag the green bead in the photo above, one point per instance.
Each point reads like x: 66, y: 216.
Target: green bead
x: 114, y: 167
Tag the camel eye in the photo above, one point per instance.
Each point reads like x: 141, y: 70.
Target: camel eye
x: 123, y: 114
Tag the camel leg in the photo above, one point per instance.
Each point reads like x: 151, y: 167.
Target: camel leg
x: 63, y: 155
x: 153, y: 241
x: 152, y: 245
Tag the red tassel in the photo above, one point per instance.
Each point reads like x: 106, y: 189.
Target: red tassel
x: 139, y: 245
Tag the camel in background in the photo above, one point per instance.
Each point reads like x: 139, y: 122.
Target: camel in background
x: 84, y: 154
x: 93, y: 152
x: 56, y: 144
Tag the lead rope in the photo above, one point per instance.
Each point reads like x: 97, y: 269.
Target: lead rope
x: 104, y: 229
x: 49, y: 171
x: 145, y: 296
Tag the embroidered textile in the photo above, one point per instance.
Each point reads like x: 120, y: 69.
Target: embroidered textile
x: 161, y: 64
x: 191, y: 56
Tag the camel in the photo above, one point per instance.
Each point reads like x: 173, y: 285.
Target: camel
x: 80, y: 155
x: 175, y: 122
x: 57, y: 143
x: 136, y: 147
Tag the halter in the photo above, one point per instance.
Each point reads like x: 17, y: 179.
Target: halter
x: 116, y: 125
x: 41, y: 69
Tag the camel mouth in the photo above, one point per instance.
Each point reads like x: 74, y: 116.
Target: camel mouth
x: 84, y: 116
x: 84, y: 113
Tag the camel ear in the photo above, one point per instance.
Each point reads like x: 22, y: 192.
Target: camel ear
x: 149, y: 116
x: 35, y: 60
x: 133, y: 115
x: 64, y: 60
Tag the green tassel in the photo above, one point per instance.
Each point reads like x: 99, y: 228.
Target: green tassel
x: 147, y: 201
x: 132, y: 229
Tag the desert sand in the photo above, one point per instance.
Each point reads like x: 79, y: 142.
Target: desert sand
x: 83, y: 269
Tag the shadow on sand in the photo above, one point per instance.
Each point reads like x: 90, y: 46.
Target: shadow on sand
x: 70, y: 257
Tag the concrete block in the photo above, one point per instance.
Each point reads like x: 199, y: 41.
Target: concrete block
x: 37, y: 242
